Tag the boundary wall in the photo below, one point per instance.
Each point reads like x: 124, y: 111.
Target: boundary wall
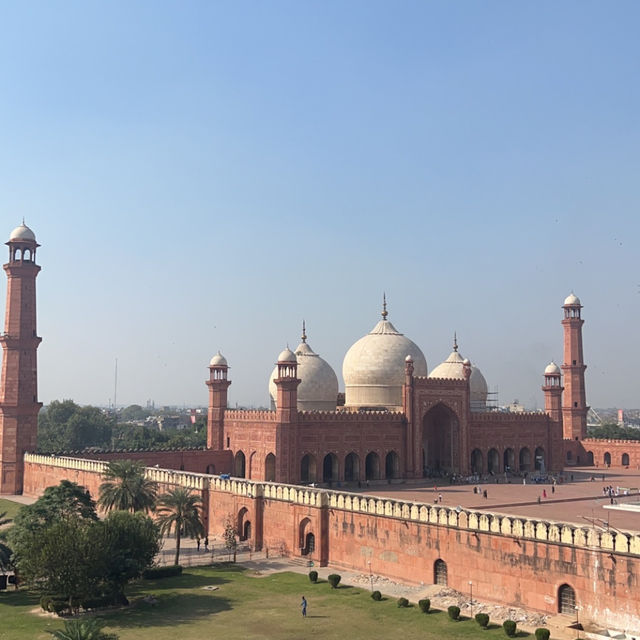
x: 512, y: 560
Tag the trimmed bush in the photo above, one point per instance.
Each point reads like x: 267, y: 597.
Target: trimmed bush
x: 45, y: 603
x: 454, y: 612
x: 509, y: 627
x: 155, y: 573
x: 542, y: 634
x: 403, y: 602
x: 58, y: 605
x: 482, y: 619
x: 334, y: 580
x: 313, y: 576
x: 377, y: 596
x: 424, y: 605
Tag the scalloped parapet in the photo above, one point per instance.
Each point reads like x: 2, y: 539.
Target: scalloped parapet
x: 350, y: 417
x: 519, y: 527
x: 250, y: 415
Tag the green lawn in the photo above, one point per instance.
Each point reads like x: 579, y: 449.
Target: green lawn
x: 10, y: 507
x: 247, y: 607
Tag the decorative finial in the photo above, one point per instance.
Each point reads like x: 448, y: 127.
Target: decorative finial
x: 385, y: 313
x: 304, y: 332
x: 23, y: 221
x: 455, y: 341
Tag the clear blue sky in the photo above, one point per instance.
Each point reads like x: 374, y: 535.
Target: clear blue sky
x: 203, y: 175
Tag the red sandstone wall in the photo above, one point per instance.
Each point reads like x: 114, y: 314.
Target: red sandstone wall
x: 194, y: 460
x: 615, y: 448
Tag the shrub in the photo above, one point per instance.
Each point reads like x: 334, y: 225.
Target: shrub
x: 334, y: 580
x: 155, y: 573
x: 482, y: 619
x: 424, y: 605
x: 376, y: 595
x: 313, y: 576
x: 45, y: 603
x: 403, y: 602
x: 542, y: 634
x: 509, y: 627
x: 58, y: 605
x: 454, y: 612
x: 99, y: 602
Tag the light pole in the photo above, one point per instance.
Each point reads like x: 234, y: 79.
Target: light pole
x: 471, y: 597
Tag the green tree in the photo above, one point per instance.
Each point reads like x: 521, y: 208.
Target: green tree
x: 127, y: 544
x: 126, y: 488
x: 230, y: 536
x: 5, y: 550
x: 86, y: 629
x: 65, y: 426
x: 133, y: 412
x: 179, y: 510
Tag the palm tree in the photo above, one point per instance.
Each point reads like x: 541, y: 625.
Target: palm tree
x: 179, y: 509
x: 126, y: 488
x: 87, y: 629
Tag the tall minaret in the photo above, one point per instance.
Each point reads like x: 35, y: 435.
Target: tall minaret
x: 574, y: 401
x: 19, y: 404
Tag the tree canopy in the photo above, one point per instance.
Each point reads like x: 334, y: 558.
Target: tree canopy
x: 126, y: 487
x: 613, y: 431
x: 66, y: 426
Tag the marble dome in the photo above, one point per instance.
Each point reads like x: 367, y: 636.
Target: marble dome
x: 287, y: 356
x: 552, y: 368
x: 571, y: 300
x: 373, y: 369
x: 22, y: 233
x: 453, y: 368
x: 318, y: 389
x: 218, y: 361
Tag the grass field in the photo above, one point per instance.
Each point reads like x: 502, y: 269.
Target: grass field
x: 246, y: 606
x: 10, y: 507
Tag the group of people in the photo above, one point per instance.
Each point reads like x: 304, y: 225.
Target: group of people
x: 206, y: 544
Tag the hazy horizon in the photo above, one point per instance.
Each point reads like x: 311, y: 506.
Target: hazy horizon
x: 205, y: 176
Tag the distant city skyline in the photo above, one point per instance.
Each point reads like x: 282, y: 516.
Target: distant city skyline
x: 205, y: 177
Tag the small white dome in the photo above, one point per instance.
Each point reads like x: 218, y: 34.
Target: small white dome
x: 218, y: 361
x: 374, y: 367
x: 22, y: 233
x: 287, y: 356
x: 572, y: 301
x: 452, y: 367
x: 552, y: 368
x: 318, y: 389
x: 409, y: 358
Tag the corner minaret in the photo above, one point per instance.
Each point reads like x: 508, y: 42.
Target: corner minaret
x: 553, y: 389
x: 574, y: 402
x: 19, y: 404
x: 218, y: 385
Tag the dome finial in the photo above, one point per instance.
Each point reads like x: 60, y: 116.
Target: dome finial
x: 304, y: 332
x: 385, y: 313
x: 455, y: 341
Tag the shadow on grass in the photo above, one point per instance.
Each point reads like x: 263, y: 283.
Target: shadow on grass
x: 185, y: 581
x: 169, y: 611
x: 19, y: 598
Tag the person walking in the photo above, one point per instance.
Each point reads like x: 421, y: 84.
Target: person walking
x: 303, y: 606
x: 198, y: 543
x: 206, y: 544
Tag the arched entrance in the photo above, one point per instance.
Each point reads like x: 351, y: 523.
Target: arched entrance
x: 607, y: 459
x: 493, y: 461
x: 476, y: 461
x: 352, y: 468
x: 372, y: 466
x: 244, y: 525
x: 239, y: 465
x: 566, y: 600
x: 306, y: 537
x: 509, y: 460
x: 440, y: 573
x: 625, y: 459
x: 391, y: 465
x: 270, y: 468
x: 525, y: 459
x: 308, y: 468
x: 539, y: 462
x: 330, y: 468
x: 590, y: 457
x: 440, y: 440
x: 211, y: 469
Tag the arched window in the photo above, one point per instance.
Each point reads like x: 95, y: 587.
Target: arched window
x: 625, y: 459
x: 211, y: 469
x: 372, y: 466
x: 440, y: 573
x: 309, y: 544
x: 330, y: 468
x: 270, y: 468
x: 590, y: 457
x: 525, y: 459
x: 569, y: 456
x: 607, y: 459
x: 242, y: 524
x: 239, y: 466
x: 566, y: 600
x: 539, y: 463
x: 509, y: 460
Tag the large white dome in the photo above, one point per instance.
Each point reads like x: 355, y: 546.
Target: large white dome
x: 22, y: 233
x: 318, y: 390
x: 453, y: 368
x: 373, y: 369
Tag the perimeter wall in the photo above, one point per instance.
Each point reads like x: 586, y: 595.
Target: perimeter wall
x: 511, y: 560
